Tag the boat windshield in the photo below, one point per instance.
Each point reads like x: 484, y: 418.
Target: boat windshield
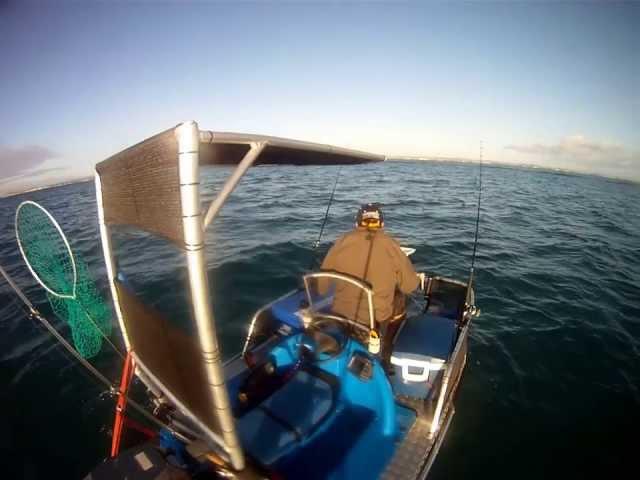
x: 340, y: 295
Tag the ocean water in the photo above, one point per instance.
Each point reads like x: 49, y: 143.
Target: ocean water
x: 552, y: 387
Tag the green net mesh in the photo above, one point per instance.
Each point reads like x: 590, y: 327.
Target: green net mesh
x: 73, y: 296
x: 44, y: 249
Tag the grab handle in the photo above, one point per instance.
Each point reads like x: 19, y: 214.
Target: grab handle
x: 426, y: 366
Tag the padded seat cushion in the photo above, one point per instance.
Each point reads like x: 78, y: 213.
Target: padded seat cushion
x: 289, y: 415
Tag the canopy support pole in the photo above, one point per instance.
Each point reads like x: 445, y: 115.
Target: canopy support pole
x: 109, y: 262
x: 189, y: 173
x: 244, y: 165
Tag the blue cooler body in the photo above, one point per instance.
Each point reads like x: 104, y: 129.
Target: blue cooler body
x: 421, y: 349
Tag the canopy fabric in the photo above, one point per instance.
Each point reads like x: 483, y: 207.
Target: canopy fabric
x: 168, y: 352
x: 225, y: 148
x: 141, y: 186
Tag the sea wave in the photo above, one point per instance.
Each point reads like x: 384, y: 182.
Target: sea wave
x: 558, y: 275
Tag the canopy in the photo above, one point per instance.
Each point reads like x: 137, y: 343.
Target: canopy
x: 140, y: 185
x: 225, y: 148
x: 155, y: 186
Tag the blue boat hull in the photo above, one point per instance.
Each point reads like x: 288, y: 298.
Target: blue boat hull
x: 323, y: 418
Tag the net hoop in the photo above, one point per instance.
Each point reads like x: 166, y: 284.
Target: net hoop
x: 64, y: 239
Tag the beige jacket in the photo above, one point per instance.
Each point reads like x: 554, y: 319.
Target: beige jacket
x: 389, y: 269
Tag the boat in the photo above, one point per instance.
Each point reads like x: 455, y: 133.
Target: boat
x: 305, y: 397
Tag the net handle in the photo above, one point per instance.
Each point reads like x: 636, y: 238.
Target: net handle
x: 64, y: 239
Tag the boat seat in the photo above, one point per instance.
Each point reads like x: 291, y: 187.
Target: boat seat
x: 323, y: 456
x: 287, y: 417
x: 421, y: 348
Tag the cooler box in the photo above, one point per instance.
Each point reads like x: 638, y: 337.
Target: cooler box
x: 421, y: 349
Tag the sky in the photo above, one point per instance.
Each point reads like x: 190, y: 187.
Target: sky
x: 551, y: 84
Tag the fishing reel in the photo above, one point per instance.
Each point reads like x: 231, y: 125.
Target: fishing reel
x: 471, y: 311
x: 425, y: 288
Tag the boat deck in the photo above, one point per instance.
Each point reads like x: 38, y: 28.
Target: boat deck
x: 414, y: 456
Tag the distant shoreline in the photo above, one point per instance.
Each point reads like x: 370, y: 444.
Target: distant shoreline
x: 511, y: 166
x: 47, y: 187
x: 457, y: 161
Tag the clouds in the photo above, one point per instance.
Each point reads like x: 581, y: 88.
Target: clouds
x: 577, y: 152
x: 17, y: 161
x: 23, y: 168
x: 31, y: 174
x: 575, y: 145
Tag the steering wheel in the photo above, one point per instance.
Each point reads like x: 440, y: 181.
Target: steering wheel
x: 330, y: 333
x: 323, y: 339
x: 320, y: 317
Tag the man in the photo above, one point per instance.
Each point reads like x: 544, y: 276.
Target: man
x: 370, y: 254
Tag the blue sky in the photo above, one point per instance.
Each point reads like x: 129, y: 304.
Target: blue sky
x: 550, y: 84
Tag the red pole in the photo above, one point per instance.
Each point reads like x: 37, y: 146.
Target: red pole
x: 125, y: 381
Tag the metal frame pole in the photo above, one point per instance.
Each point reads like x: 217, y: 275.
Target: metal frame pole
x: 347, y: 279
x: 435, y: 423
x: 244, y: 165
x: 189, y: 173
x: 107, y: 250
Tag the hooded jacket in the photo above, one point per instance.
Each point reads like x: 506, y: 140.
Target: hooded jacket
x: 375, y: 257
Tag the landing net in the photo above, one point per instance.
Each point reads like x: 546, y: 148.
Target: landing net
x: 71, y: 291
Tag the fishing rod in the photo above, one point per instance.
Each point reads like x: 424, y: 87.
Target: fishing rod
x: 113, y: 390
x: 475, y: 241
x: 324, y: 221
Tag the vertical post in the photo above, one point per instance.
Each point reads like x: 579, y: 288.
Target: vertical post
x: 449, y: 370
x: 105, y: 236
x: 435, y: 422
x: 189, y: 173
